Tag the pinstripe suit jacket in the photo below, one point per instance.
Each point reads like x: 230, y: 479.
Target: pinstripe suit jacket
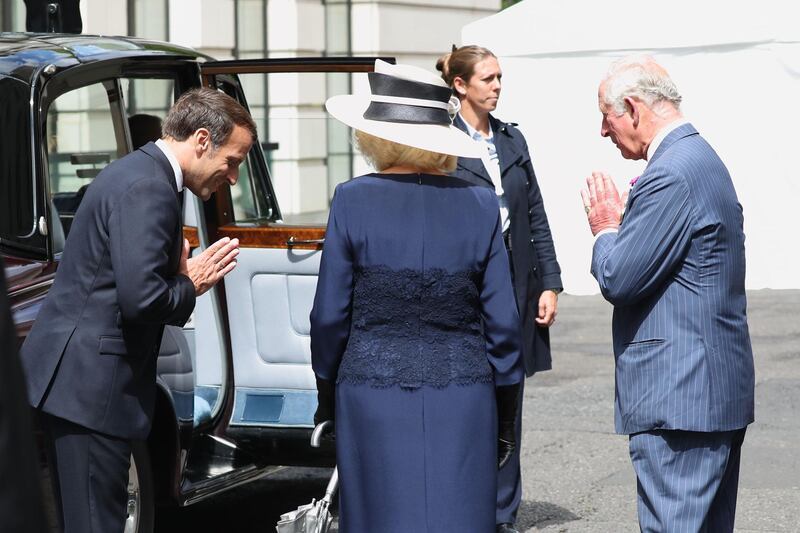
x: 675, y: 274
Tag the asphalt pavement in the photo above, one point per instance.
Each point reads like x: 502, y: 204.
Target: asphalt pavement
x: 577, y: 475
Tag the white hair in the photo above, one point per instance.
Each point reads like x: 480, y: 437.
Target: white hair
x: 639, y: 77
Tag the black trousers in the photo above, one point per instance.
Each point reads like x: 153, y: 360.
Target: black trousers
x: 507, y: 242
x: 67, y: 20
x: 90, y: 476
x: 509, y: 478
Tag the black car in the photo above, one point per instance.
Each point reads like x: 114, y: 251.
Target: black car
x: 236, y: 393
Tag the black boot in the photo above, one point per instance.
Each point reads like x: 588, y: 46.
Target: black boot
x: 507, y: 404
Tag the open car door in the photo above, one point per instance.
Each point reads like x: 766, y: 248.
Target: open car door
x: 264, y: 393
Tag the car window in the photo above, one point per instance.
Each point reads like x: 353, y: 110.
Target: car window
x: 308, y: 153
x: 246, y: 195
x: 147, y: 102
x: 251, y: 198
x: 82, y: 138
x: 16, y: 181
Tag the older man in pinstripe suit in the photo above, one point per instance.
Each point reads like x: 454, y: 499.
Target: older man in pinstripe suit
x: 674, y: 269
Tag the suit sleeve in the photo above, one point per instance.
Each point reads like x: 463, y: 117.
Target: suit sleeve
x: 540, y: 231
x: 330, y: 316
x: 141, y: 234
x: 501, y: 324
x: 652, y: 241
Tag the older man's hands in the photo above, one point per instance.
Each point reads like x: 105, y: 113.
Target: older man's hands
x: 602, y: 203
x: 207, y: 268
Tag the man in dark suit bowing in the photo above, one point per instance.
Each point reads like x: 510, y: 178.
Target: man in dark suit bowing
x: 674, y: 268
x: 90, y: 359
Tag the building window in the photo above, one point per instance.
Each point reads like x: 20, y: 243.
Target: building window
x: 338, y: 42
x: 12, y: 16
x: 308, y: 152
x: 251, y: 43
x: 149, y: 19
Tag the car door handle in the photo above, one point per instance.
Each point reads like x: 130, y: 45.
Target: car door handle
x: 293, y: 242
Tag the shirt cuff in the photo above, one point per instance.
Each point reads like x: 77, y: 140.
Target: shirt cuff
x: 603, y: 232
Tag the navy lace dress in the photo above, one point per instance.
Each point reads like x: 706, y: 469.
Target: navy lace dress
x: 414, y: 320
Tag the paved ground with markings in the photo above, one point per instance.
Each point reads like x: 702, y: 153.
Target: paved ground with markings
x: 577, y: 474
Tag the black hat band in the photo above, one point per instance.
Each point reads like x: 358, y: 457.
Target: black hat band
x: 410, y: 102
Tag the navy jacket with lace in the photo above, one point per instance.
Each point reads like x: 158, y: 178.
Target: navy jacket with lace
x: 414, y: 286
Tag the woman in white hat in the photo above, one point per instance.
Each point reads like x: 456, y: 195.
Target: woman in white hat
x: 414, y: 331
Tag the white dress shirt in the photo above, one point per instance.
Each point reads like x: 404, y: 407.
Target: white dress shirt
x: 173, y: 161
x: 491, y: 162
x: 662, y: 134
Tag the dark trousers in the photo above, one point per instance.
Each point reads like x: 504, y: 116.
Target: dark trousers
x: 509, y: 478
x: 686, y: 480
x: 90, y: 477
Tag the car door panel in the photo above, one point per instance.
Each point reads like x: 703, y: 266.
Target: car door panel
x: 270, y: 293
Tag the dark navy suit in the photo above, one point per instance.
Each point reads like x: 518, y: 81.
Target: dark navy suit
x: 684, y: 367
x: 90, y: 359
x: 535, y: 269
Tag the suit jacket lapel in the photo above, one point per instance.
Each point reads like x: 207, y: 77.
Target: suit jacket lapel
x: 155, y: 152
x: 471, y: 164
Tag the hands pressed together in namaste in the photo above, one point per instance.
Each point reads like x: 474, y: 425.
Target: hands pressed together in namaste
x: 207, y: 268
x: 602, y: 202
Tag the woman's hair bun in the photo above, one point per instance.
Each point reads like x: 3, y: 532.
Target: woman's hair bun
x: 441, y: 64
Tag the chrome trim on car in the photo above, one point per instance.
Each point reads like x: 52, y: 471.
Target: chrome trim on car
x: 223, y: 482
x: 30, y: 288
x: 293, y: 242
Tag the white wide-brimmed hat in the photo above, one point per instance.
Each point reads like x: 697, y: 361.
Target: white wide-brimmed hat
x: 407, y: 105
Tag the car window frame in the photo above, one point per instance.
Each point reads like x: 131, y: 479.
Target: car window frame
x: 30, y: 243
x: 183, y: 70
x: 228, y: 71
x: 224, y: 202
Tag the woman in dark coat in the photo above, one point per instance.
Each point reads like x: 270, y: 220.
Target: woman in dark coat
x: 505, y: 166
x: 413, y: 329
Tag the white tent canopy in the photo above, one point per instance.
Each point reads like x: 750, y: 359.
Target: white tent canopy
x: 737, y: 66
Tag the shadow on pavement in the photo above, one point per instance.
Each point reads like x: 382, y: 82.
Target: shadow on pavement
x: 539, y: 514
x: 252, y: 508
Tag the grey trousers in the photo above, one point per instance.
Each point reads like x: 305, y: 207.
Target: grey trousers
x: 687, y: 481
